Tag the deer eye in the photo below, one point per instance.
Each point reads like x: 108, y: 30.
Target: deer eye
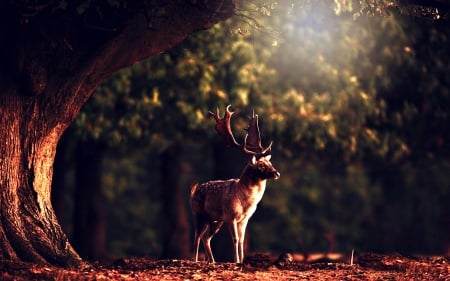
x: 261, y: 167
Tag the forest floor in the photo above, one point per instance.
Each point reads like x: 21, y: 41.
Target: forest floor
x: 256, y: 267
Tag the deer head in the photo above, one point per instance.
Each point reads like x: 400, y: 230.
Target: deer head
x: 252, y: 141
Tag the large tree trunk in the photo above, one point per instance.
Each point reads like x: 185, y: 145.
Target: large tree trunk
x: 176, y: 237
x: 51, y: 59
x: 29, y: 229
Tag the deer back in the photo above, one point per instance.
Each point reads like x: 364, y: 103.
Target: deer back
x: 207, y: 198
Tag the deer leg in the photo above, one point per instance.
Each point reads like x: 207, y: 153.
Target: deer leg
x: 198, y: 236
x: 241, y: 237
x: 235, y: 237
x: 207, y: 244
x: 213, y: 228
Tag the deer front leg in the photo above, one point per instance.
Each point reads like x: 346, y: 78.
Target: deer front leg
x: 241, y: 227
x: 235, y: 237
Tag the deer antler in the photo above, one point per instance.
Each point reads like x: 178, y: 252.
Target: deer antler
x: 251, y: 147
x: 223, y: 127
x: 254, y: 137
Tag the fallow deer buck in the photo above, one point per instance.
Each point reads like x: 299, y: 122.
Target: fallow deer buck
x: 232, y: 201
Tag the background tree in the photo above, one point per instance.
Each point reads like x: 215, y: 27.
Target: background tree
x: 338, y: 106
x: 413, y: 129
x: 336, y: 85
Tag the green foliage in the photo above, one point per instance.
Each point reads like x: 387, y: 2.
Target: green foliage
x: 158, y: 100
x: 118, y: 114
x: 426, y: 9
x: 305, y: 207
x: 358, y: 111
x: 132, y: 204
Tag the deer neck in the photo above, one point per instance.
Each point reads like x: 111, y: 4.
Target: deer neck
x: 251, y: 179
x: 250, y: 188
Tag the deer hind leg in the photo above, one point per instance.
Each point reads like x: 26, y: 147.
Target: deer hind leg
x: 199, y: 233
x: 213, y: 228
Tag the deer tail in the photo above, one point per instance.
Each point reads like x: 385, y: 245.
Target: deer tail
x: 193, y: 188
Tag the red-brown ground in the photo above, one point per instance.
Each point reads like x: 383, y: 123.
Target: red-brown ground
x: 255, y: 267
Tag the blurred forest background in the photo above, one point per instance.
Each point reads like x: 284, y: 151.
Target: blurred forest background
x: 358, y: 109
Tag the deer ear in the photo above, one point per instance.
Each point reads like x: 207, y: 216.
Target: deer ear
x: 253, y: 159
x: 268, y: 157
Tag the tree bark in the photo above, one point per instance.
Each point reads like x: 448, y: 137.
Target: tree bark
x: 51, y: 59
x: 29, y: 229
x: 176, y: 238
x: 89, y: 225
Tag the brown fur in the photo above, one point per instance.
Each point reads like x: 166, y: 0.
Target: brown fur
x: 229, y: 201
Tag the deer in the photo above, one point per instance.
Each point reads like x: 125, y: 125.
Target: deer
x: 232, y: 201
